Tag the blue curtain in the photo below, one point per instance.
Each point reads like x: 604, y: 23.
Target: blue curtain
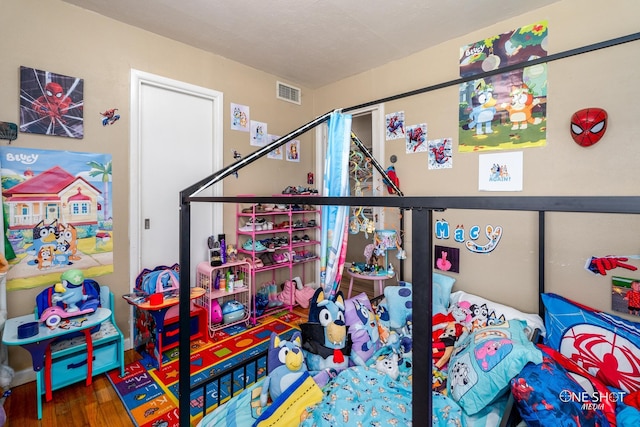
x: 335, y: 219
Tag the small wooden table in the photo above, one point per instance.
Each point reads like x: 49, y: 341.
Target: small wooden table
x: 375, y: 278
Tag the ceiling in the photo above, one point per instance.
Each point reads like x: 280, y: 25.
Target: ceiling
x: 311, y: 43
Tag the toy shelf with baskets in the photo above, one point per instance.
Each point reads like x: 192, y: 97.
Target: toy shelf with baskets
x: 291, y: 232
x: 225, y: 307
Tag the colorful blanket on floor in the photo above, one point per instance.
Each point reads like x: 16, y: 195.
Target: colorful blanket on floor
x: 150, y: 394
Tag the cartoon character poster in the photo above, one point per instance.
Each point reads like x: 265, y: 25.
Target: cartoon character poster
x: 500, y: 172
x: 275, y: 154
x: 440, y: 156
x: 240, y: 116
x: 58, y: 214
x: 394, y: 125
x: 508, y: 110
x: 51, y: 104
x: 293, y: 151
x: 258, y: 135
x: 416, y: 138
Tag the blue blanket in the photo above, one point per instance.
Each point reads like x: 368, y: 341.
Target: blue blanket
x: 363, y: 396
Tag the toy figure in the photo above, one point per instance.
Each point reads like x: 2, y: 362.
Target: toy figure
x: 324, y: 337
x: 286, y: 366
x: 69, y: 290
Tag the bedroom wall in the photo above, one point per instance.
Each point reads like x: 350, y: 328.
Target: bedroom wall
x: 604, y: 78
x: 58, y: 37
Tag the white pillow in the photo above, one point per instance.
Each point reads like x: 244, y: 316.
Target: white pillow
x: 497, y: 311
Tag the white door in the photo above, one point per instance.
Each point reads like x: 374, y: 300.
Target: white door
x: 176, y: 140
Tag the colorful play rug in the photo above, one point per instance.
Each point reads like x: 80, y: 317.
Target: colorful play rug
x: 150, y: 394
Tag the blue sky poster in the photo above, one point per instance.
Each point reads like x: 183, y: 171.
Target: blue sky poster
x: 58, y: 214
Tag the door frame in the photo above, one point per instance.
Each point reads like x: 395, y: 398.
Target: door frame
x: 138, y: 79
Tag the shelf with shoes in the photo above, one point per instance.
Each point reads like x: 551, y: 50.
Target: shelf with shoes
x: 280, y: 240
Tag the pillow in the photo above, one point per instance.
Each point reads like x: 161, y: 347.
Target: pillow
x: 546, y: 395
x: 485, y: 312
x: 399, y: 299
x: 399, y: 304
x: 481, y: 369
x: 442, y: 286
x: 363, y: 328
x: 593, y: 386
x: 605, y: 345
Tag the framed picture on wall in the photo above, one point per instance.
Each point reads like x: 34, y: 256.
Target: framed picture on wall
x: 51, y: 104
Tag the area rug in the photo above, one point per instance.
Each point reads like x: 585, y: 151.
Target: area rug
x: 150, y: 394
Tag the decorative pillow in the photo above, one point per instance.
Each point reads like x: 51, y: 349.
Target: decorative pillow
x: 481, y: 369
x: 605, y: 345
x: 362, y: 327
x: 546, y: 395
x: 399, y: 299
x: 593, y: 386
x: 485, y: 312
x: 399, y: 304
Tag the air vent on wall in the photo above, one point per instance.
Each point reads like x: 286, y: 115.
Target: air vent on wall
x: 288, y: 93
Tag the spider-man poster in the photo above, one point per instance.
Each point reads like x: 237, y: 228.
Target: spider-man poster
x: 51, y: 104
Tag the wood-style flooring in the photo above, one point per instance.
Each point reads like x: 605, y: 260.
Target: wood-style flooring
x: 97, y: 405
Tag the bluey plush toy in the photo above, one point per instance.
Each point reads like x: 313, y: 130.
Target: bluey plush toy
x: 286, y: 366
x: 324, y: 337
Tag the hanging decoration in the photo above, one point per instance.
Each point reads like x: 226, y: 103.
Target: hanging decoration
x: 588, y: 126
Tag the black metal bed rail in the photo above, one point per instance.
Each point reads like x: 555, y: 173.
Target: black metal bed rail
x: 218, y: 378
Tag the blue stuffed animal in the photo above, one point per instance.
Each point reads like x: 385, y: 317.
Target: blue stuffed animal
x: 286, y: 366
x: 325, y: 342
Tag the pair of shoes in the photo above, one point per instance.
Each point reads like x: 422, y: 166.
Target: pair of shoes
x: 271, y: 290
x: 298, y: 224
x: 281, y: 258
x: 254, y: 263
x: 255, y: 224
x: 311, y: 223
x: 256, y: 246
x: 306, y: 238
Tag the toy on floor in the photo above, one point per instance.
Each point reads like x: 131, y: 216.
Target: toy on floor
x: 325, y: 342
x: 286, y: 366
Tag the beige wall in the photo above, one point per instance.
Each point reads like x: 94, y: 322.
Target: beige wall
x: 605, y: 78
x: 58, y: 37
x: 55, y: 36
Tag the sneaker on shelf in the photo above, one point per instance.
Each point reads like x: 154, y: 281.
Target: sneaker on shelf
x: 311, y: 223
x: 254, y: 224
x: 298, y: 224
x: 289, y: 190
x: 295, y: 239
x: 256, y: 246
x: 306, y: 238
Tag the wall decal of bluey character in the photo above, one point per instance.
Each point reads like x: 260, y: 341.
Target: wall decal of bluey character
x: 483, y: 110
x: 324, y: 337
x: 286, y: 365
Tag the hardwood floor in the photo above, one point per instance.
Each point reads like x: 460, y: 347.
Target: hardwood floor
x: 97, y: 405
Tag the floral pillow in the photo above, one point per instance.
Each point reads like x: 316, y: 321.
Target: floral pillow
x: 482, y: 367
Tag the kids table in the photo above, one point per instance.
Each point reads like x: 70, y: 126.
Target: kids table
x: 375, y: 278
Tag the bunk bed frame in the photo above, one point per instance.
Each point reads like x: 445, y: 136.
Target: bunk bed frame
x: 422, y: 210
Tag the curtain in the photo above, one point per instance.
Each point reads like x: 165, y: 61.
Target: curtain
x: 335, y: 219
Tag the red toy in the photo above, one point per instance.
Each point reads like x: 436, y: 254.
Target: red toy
x: 588, y: 126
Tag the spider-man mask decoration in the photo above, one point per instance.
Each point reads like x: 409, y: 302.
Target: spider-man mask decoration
x: 588, y: 126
